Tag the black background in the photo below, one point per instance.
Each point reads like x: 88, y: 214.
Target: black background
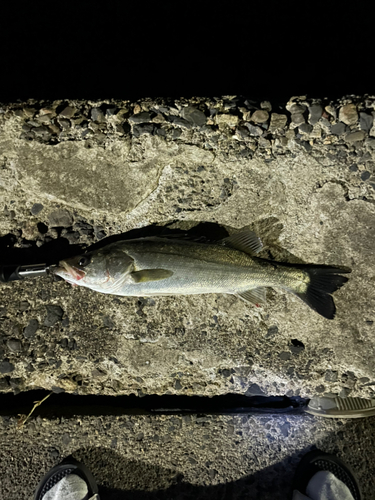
x: 128, y: 50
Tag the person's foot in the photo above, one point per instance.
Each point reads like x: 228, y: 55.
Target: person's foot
x: 320, y: 475
x: 69, y: 480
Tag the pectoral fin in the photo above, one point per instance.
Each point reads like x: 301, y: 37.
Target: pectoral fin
x: 254, y: 296
x: 246, y: 241
x: 150, y: 275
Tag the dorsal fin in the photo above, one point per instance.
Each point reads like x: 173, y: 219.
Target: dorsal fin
x: 246, y: 241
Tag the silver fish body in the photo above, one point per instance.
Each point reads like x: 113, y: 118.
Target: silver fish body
x: 161, y: 266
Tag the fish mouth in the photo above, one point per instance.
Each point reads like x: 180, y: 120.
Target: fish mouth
x: 64, y: 268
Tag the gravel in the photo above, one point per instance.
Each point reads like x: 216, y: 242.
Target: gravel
x: 365, y: 121
x: 305, y: 128
x: 60, y: 218
x: 6, y: 367
x: 193, y: 116
x: 68, y: 112
x: 356, y: 136
x: 31, y: 328
x: 36, y: 208
x: 253, y: 130
x: 54, y: 314
x: 339, y: 129
x: 14, y: 345
x: 97, y: 115
x: 143, y: 117
x: 315, y: 113
x: 278, y: 122
x: 348, y: 114
x: 260, y: 116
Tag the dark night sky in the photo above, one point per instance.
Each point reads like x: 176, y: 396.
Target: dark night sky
x: 269, y: 50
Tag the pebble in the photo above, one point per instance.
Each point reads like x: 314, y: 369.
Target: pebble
x: 298, y: 118
x: 339, y: 128
x: 305, y: 128
x: 176, y: 120
x: 242, y: 132
x: 100, y: 235
x: 54, y: 129
x: 315, y: 113
x: 64, y: 123
x: 47, y: 111
x: 285, y: 428
x: 14, y: 345
x: 143, y: 129
x: 365, y: 175
x: 4, y: 384
x: 365, y: 121
x: 285, y: 355
x: 278, y: 121
x: 331, y: 110
x: 320, y: 388
x: 54, y: 314
x: 264, y: 143
x: 42, y: 132
x: 266, y: 105
x: 356, y: 136
x: 97, y: 115
x: 260, y: 116
x: 331, y: 376
x: 29, y: 112
x: 140, y: 117
x: 6, y: 367
x: 68, y: 112
x: 254, y: 390
x: 31, y: 329
x: 226, y: 119
x: 36, y: 208
x: 254, y: 130
x: 60, y: 218
x: 177, y: 385
x: 159, y: 118
x: 44, y: 118
x: 72, y: 237
x: 24, y: 306
x: 348, y: 114
x: 296, y: 108
x: 194, y: 116
x: 111, y: 111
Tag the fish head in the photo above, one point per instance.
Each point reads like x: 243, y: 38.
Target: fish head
x: 99, y: 269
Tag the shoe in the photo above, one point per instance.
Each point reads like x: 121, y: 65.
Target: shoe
x: 316, y: 461
x: 67, y: 466
x: 341, y: 407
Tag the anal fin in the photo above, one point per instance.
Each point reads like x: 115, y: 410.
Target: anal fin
x: 253, y: 296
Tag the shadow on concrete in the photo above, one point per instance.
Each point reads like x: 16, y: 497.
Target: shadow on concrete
x: 268, y: 229
x: 121, y: 479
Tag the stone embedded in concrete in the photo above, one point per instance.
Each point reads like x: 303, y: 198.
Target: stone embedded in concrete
x: 348, y: 114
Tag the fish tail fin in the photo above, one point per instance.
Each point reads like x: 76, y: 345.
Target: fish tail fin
x: 323, y: 281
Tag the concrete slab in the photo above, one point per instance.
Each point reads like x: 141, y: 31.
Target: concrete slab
x: 306, y: 190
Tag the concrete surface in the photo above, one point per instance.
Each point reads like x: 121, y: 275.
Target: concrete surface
x: 299, y: 173
x: 171, y: 457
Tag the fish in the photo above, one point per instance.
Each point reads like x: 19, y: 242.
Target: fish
x: 163, y: 266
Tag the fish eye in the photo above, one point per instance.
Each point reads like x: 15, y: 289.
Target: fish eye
x: 83, y: 261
